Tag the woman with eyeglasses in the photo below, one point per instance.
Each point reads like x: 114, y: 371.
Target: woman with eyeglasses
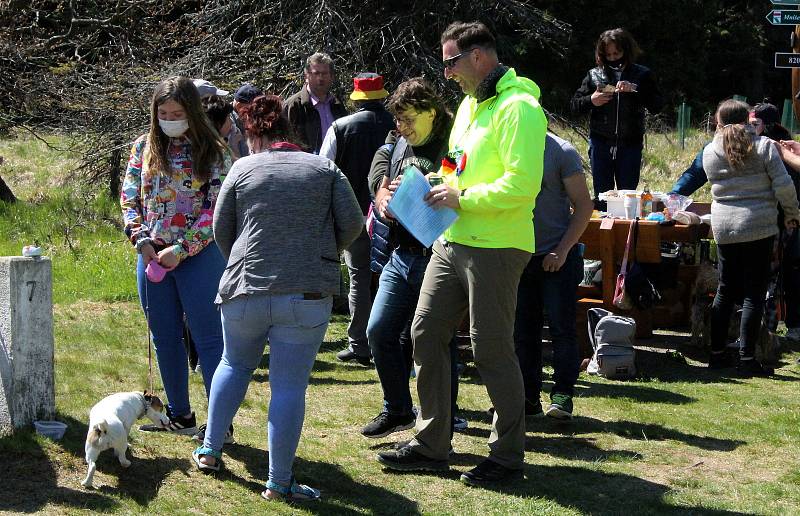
x: 174, y: 175
x: 421, y: 140
x: 615, y: 95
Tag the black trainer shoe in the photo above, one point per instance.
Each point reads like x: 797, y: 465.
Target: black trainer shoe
x: 384, y: 424
x: 489, y: 472
x: 402, y: 444
x: 347, y: 355
x: 201, y: 435
x: 406, y: 459
x: 753, y: 367
x: 183, y: 425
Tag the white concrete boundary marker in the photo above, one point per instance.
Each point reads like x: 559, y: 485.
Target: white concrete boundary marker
x: 26, y: 342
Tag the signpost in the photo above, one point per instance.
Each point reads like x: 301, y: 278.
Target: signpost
x: 787, y: 60
x: 783, y: 17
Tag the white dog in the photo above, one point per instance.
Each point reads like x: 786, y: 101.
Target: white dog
x: 110, y: 422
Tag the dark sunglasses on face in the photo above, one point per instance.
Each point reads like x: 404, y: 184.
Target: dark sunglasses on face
x: 451, y: 61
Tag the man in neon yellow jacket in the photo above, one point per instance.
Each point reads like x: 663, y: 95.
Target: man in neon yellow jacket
x: 492, y: 176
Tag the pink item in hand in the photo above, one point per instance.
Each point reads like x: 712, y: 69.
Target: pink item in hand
x: 155, y: 271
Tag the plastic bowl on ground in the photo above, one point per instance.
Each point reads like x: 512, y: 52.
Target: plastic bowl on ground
x: 50, y: 429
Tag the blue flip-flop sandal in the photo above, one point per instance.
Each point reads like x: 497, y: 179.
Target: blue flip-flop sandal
x: 294, y: 493
x: 202, y: 450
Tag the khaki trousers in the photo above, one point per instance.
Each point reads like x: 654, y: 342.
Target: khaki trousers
x: 484, y: 282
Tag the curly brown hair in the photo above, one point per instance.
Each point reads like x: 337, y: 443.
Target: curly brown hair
x: 419, y: 95
x: 264, y: 118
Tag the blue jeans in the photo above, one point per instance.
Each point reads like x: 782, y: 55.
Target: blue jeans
x: 295, y: 328
x: 553, y: 293
x: 606, y: 170
x: 388, y: 330
x: 190, y: 288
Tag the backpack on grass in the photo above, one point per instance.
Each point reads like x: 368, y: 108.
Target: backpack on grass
x: 612, y: 338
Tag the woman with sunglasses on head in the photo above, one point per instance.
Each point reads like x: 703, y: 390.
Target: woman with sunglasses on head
x: 748, y: 180
x: 171, y: 185
x: 282, y: 217
x: 615, y: 94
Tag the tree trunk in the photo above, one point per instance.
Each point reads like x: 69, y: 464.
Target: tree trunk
x: 5, y: 192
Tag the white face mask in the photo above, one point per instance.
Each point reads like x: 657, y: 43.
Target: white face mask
x: 174, y: 128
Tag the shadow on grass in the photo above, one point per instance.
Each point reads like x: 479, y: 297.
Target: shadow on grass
x: 641, y: 393
x: 634, y: 391
x: 633, y: 430
x: 339, y: 491
x: 597, y: 492
x: 333, y: 345
x: 30, y: 481
x: 579, y: 425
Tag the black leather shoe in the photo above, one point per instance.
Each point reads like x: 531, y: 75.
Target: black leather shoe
x: 346, y: 355
x: 406, y: 459
x: 489, y: 472
x: 752, y: 367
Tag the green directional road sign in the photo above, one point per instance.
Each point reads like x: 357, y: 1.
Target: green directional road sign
x: 784, y: 17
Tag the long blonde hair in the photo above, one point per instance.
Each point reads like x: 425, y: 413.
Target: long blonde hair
x: 737, y: 140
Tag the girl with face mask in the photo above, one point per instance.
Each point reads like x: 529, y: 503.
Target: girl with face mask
x: 615, y: 94
x: 174, y: 175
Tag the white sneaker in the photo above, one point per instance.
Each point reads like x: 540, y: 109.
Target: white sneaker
x: 793, y: 334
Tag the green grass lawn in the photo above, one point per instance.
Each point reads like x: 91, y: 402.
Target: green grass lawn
x: 679, y: 439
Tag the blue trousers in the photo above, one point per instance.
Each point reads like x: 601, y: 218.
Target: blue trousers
x: 190, y: 288
x: 389, y: 327
x: 553, y: 293
x: 295, y: 328
x: 607, y: 169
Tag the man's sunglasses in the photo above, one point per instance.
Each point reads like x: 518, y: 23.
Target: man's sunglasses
x: 451, y: 61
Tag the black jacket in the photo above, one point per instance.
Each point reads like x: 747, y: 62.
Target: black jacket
x: 304, y: 118
x: 358, y: 136
x: 603, y: 119
x: 390, y: 160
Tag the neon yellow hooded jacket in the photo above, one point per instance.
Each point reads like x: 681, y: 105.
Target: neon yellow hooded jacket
x: 503, y: 140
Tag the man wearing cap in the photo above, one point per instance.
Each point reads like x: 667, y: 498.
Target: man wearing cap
x: 244, y: 95
x: 312, y: 110
x: 236, y: 140
x: 206, y: 89
x: 351, y: 143
x: 493, y: 174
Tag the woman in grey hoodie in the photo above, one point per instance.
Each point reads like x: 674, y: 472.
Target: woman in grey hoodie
x: 282, y: 217
x: 748, y: 180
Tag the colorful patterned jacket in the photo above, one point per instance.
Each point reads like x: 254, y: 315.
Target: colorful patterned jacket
x: 173, y: 208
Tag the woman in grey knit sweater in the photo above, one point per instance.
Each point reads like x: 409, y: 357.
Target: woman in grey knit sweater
x: 281, y: 219
x: 748, y: 180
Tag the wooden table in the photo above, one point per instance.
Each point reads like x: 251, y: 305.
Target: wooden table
x: 608, y: 246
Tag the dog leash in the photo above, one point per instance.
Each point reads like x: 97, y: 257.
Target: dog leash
x: 149, y: 334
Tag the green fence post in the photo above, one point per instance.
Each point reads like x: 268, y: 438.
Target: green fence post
x: 684, y: 114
